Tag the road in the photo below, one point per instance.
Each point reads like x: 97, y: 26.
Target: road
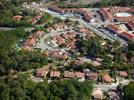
x: 9, y: 28
x: 81, y: 21
x: 103, y: 34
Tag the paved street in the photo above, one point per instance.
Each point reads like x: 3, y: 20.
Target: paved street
x: 104, y: 34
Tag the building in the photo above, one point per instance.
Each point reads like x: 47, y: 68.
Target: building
x: 17, y: 17
x: 26, y: 48
x: 97, y: 94
x: 96, y: 63
x: 55, y: 74
x: 41, y: 73
x: 79, y: 75
x: 68, y: 74
x: 59, y: 40
x: 114, y: 29
x: 106, y: 78
x: 123, y: 74
x: 59, y: 55
x: 32, y: 40
x: 92, y: 76
x: 106, y: 14
x: 127, y: 35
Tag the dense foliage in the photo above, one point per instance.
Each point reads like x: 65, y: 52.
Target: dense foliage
x: 10, y: 8
x: 23, y: 89
x: 18, y: 60
x: 128, y: 91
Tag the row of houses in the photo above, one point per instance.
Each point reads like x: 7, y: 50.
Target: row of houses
x: 125, y: 19
x: 106, y: 14
x: 109, y: 14
x: 33, y: 20
x: 17, y: 17
x: 57, y: 27
x: 56, y: 54
x: 32, y: 40
x: 86, y: 14
x: 116, y: 9
x: 79, y: 75
x: 99, y: 94
x: 69, y: 40
x: 120, y: 32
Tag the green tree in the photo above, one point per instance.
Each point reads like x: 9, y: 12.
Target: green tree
x: 128, y: 91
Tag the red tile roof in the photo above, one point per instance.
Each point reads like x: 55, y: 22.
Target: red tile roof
x: 59, y: 40
x: 106, y: 14
x: 41, y: 73
x: 114, y: 28
x: 93, y: 76
x: 17, y: 17
x: 107, y: 78
x: 79, y: 74
x: 125, y: 19
x: 55, y: 74
x: 127, y: 35
x: 123, y: 73
x: 27, y: 48
x: 68, y: 74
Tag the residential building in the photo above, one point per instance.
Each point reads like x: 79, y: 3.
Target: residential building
x: 41, y: 73
x: 55, y: 74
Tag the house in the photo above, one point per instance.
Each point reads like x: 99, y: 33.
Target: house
x: 26, y: 48
x: 64, y: 56
x: 59, y: 55
x: 125, y: 19
x: 97, y: 94
x: 99, y: 59
x: 17, y: 17
x: 82, y: 29
x: 116, y: 9
x: 71, y: 44
x: 30, y: 42
x: 38, y: 34
x: 92, y: 76
x: 69, y: 35
x: 106, y: 78
x: 59, y: 40
x: 79, y: 75
x: 127, y: 35
x: 55, y: 74
x: 55, y: 54
x: 114, y: 29
x: 35, y: 19
x: 123, y: 74
x: 131, y: 25
x: 41, y: 73
x: 113, y: 95
x: 68, y: 74
x: 90, y: 33
x: 96, y: 63
x: 106, y: 14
